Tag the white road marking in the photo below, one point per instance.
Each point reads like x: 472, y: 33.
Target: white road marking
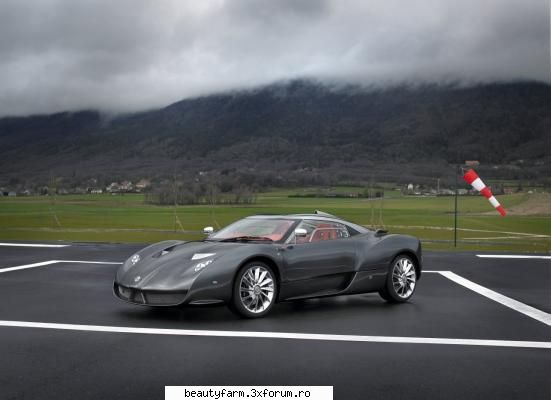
x: 41, y: 264
x: 279, y: 335
x: 89, y: 262
x: 495, y: 296
x: 506, y: 301
x: 494, y: 238
x: 447, y: 228
x: 513, y: 256
x: 34, y: 245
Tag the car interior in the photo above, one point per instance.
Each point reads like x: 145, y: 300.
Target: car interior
x: 318, y: 231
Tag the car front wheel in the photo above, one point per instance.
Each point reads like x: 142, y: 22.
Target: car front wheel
x: 400, y: 281
x: 254, y: 290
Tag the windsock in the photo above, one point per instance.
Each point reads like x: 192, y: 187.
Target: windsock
x: 471, y: 177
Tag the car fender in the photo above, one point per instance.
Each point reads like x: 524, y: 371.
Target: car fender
x: 378, y: 251
x: 216, y: 281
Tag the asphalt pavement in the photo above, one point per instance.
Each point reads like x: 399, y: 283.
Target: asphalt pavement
x: 87, y: 363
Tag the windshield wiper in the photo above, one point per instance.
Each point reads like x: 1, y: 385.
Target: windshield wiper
x: 247, y: 239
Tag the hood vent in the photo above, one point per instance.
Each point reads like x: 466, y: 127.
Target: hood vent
x: 164, y: 252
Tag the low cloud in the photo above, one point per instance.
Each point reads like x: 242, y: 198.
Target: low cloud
x: 130, y: 55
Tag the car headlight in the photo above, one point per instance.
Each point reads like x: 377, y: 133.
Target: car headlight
x: 135, y: 259
x: 199, y: 266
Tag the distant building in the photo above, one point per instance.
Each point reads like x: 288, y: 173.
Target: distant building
x: 142, y: 184
x: 11, y: 193
x: 113, y: 187
x: 126, y: 186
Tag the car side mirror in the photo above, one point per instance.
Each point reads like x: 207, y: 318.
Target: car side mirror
x: 208, y: 230
x: 301, y: 232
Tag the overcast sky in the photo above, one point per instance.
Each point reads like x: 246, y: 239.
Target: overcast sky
x: 121, y: 55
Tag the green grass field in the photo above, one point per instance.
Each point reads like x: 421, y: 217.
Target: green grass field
x: 126, y: 218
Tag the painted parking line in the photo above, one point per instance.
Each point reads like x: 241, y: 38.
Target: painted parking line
x: 34, y: 245
x: 50, y: 262
x: 516, y: 305
x: 278, y: 335
x: 448, y: 228
x: 35, y: 265
x: 89, y: 262
x: 513, y: 256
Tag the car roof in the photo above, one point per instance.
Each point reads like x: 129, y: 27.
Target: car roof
x: 320, y: 216
x: 294, y: 216
x: 315, y: 215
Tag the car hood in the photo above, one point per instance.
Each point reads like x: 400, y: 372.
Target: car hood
x: 165, y: 264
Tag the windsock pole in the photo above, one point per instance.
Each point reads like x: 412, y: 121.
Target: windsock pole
x: 472, y: 178
x: 455, y: 214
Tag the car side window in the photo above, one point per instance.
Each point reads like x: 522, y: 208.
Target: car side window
x: 317, y: 231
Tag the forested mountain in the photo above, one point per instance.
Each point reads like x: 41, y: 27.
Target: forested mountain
x: 294, y: 133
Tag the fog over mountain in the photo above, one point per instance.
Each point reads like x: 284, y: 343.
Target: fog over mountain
x: 292, y: 133
x: 128, y: 55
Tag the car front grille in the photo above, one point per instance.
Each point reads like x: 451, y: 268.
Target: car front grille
x: 149, y: 297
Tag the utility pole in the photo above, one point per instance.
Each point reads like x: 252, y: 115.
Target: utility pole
x: 52, y: 194
x: 459, y: 171
x: 455, y: 212
x: 381, y: 221
x: 177, y: 221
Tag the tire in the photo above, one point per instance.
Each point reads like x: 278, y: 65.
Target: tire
x: 401, y: 280
x: 254, y: 290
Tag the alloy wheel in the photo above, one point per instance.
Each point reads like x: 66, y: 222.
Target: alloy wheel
x: 403, y: 277
x: 256, y: 289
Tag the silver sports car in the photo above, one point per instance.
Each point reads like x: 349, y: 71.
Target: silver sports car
x: 264, y: 259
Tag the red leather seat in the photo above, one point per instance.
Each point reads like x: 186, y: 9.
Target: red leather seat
x: 324, y: 232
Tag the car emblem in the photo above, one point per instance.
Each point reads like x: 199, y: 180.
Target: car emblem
x: 138, y: 278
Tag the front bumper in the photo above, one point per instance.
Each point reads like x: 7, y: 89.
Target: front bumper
x: 149, y: 297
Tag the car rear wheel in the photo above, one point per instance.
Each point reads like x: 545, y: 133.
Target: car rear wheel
x: 254, y: 290
x: 401, y: 280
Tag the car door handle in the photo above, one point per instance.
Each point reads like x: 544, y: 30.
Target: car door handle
x: 285, y: 248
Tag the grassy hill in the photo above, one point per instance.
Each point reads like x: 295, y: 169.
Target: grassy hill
x: 294, y: 133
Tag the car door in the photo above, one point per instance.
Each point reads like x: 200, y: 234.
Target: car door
x: 322, y: 262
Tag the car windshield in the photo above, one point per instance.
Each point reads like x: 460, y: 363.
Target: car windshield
x: 255, y: 228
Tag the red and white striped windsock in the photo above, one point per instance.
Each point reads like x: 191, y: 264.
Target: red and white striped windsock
x: 471, y: 177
